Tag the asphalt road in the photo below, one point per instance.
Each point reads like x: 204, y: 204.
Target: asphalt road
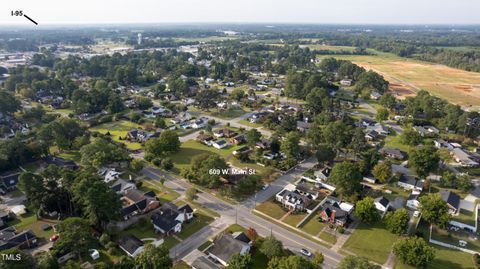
x: 241, y: 214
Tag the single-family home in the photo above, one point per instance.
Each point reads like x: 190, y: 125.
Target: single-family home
x: 382, y: 204
x: 453, y: 201
x: 293, y: 199
x: 131, y: 245
x: 375, y: 95
x: 8, y: 182
x: 9, y: 238
x: 463, y: 158
x: 170, y: 218
x: 393, y: 153
x: 121, y: 186
x: 242, y: 150
x: 371, y: 135
x: 410, y: 182
x: 332, y: 213
x: 136, y: 202
x: 219, y: 144
x: 204, y: 262
x: 412, y: 201
x: 239, y: 139
x: 346, y: 82
x: 225, y: 246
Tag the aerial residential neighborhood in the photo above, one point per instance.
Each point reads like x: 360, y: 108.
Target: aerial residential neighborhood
x: 250, y: 145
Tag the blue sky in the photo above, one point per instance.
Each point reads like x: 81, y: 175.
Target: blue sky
x: 275, y: 11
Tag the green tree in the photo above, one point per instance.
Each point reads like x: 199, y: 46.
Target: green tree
x: 414, y: 251
x: 366, y: 211
x: 382, y: 171
x: 136, y: 165
x: 354, y: 262
x: 238, y: 261
x: 8, y: 103
x: 388, y: 101
x: 324, y: 154
x: 291, y: 262
x: 206, y: 99
x: 144, y: 102
x: 253, y: 136
x: 424, y: 160
x: 100, y: 203
x: 271, y: 247
x: 153, y: 258
x: 382, y: 114
x: 291, y: 145
x: 317, y: 100
x: 75, y: 235
x: 237, y: 94
x: 318, y: 259
x: 47, y: 261
x: 411, y: 137
x: 191, y: 194
x: 205, y: 170
x: 397, y: 221
x: 434, y: 209
x: 347, y: 177
x: 101, y: 152
x: 464, y: 183
x: 167, y: 143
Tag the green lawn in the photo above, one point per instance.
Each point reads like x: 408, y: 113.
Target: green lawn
x: 181, y: 265
x: 466, y: 217
x: 29, y: 222
x: 201, y: 220
x: 373, y: 242
x: 142, y: 229
x: 247, y: 123
x: 313, y: 226
x: 272, y: 209
x: 294, y: 219
x: 163, y: 193
x: 329, y: 237
x: 445, y: 258
x: 395, y: 142
x: 205, y: 246
x: 118, y: 129
x: 192, y: 148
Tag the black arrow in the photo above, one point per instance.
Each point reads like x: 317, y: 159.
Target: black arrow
x: 30, y: 19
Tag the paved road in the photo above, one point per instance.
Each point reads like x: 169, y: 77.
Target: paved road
x: 242, y: 215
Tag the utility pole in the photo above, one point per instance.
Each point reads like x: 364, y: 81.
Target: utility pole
x: 236, y: 214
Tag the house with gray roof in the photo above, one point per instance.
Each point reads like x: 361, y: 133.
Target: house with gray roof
x: 225, y: 246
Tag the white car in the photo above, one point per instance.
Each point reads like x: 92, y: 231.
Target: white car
x: 306, y: 252
x: 264, y: 187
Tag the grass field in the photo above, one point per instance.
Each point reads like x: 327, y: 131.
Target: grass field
x: 30, y: 222
x: 272, y: 209
x: 373, y: 242
x: 313, y: 226
x: 329, y: 237
x: 118, y: 129
x: 163, y: 193
x: 192, y: 148
x: 201, y: 220
x: 407, y: 76
x: 294, y: 219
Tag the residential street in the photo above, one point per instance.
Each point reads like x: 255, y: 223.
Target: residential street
x: 242, y: 215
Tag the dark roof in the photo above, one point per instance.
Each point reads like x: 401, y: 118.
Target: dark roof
x: 134, y: 195
x: 393, y: 152
x: 10, y: 181
x: 9, y: 238
x: 117, y: 187
x: 185, y: 207
x: 203, y: 262
x: 225, y: 246
x: 412, y: 197
x: 166, y: 220
x: 242, y: 237
x: 382, y: 200
x: 340, y: 214
x: 61, y: 162
x: 451, y: 198
x: 130, y: 243
x: 410, y: 180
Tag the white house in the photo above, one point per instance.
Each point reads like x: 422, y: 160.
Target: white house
x: 131, y: 245
x: 412, y: 201
x: 219, y: 144
x: 382, y: 204
x: 409, y: 182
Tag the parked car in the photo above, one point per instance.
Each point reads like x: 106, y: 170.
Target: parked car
x: 306, y: 252
x: 54, y: 238
x: 264, y: 187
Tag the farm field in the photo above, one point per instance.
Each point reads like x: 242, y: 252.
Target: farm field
x: 407, y: 76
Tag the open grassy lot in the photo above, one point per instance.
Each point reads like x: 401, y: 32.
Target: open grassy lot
x: 30, y: 222
x: 192, y: 148
x: 272, y: 209
x: 329, y: 237
x: 396, y: 142
x: 373, y: 242
x: 142, y: 229
x: 163, y: 193
x: 313, y: 226
x: 118, y: 129
x: 251, y: 124
x: 181, y: 265
x: 201, y: 220
x: 445, y: 258
x: 294, y: 219
x: 408, y: 76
